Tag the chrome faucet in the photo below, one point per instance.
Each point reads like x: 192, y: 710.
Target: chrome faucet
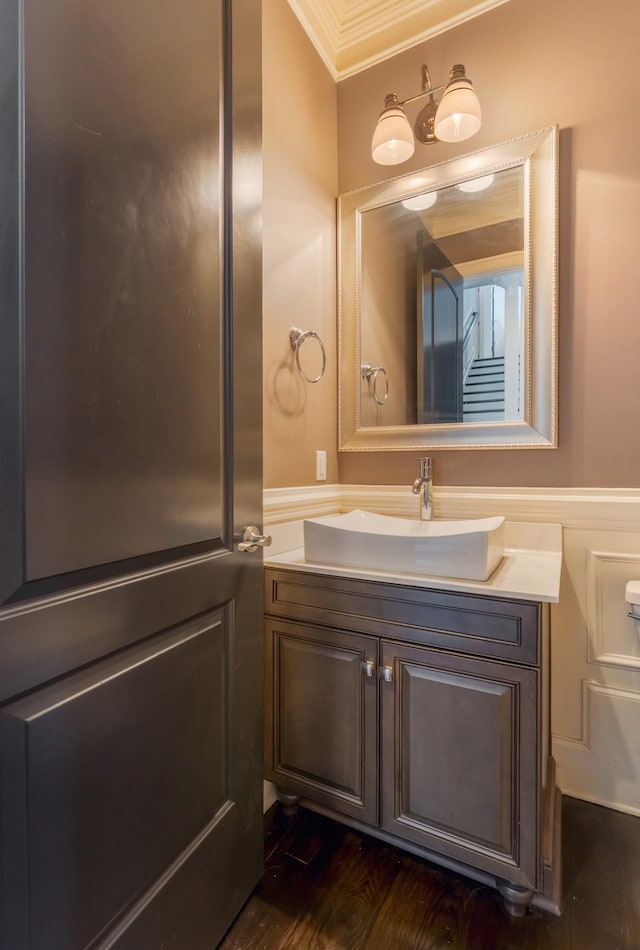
x: 423, y: 486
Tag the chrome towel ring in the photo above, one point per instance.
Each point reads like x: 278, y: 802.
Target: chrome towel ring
x: 372, y: 374
x: 297, y: 337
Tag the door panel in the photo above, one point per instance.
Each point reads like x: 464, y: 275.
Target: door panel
x: 178, y: 912
x: 123, y: 277
x: 109, y: 756
x: 43, y: 638
x: 130, y: 625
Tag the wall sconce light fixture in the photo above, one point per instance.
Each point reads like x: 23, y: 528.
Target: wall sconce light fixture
x: 456, y: 117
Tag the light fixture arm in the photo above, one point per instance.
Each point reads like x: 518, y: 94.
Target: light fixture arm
x: 425, y: 120
x: 426, y: 92
x: 427, y: 88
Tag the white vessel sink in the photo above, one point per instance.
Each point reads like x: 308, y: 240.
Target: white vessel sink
x: 468, y: 549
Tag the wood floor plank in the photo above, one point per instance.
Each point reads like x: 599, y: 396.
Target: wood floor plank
x: 271, y: 918
x: 352, y: 884
x: 429, y: 908
x: 603, y: 870
x: 485, y: 925
x: 364, y: 872
x: 421, y: 910
x: 327, y: 887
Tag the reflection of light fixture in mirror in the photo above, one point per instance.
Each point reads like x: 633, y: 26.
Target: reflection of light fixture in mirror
x: 456, y: 118
x: 420, y: 202
x: 476, y: 184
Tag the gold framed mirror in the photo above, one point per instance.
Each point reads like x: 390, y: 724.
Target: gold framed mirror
x: 447, y: 304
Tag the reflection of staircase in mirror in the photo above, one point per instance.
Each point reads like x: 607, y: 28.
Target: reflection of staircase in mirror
x: 483, y: 399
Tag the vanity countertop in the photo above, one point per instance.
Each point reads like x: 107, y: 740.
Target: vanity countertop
x: 529, y: 570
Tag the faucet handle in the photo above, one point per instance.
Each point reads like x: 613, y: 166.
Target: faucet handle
x: 426, y: 468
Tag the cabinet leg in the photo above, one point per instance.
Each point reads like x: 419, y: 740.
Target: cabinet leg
x: 288, y: 800
x: 516, y: 898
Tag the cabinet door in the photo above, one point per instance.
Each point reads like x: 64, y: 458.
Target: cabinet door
x: 459, y: 753
x: 321, y: 721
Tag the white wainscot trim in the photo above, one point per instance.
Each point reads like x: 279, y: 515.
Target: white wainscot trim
x: 603, y: 767
x: 612, y: 638
x: 600, y: 508
x: 293, y: 504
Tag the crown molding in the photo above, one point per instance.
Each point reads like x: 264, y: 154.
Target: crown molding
x: 352, y: 35
x: 321, y: 22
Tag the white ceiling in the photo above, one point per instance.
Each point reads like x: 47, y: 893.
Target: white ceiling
x: 351, y: 35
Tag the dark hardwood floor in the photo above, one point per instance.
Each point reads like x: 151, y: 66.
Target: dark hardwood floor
x: 326, y: 887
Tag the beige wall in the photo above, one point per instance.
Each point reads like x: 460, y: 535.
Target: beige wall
x: 388, y: 335
x: 536, y: 63
x: 300, y: 187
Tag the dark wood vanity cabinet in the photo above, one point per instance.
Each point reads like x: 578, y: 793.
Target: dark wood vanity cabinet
x: 420, y: 716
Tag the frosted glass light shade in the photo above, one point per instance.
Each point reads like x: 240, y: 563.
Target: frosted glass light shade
x: 393, y: 140
x: 459, y: 115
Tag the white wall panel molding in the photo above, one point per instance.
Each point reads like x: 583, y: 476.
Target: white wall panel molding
x: 611, y: 636
x: 396, y: 500
x: 312, y: 501
x: 604, y: 508
x: 307, y: 501
x: 590, y: 508
x: 611, y: 736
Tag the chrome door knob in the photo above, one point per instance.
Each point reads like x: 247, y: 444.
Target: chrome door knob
x: 252, y: 539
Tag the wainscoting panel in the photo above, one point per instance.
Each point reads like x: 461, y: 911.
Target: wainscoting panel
x: 595, y: 714
x: 611, y: 634
x: 605, y: 766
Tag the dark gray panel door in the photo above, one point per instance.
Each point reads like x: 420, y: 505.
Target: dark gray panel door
x: 459, y: 758
x: 446, y: 320
x: 130, y: 625
x: 440, y: 335
x: 321, y: 730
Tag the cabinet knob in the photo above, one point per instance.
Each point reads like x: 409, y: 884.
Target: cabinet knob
x: 387, y: 673
x: 369, y: 668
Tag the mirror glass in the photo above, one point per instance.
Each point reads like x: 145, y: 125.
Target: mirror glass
x: 448, y: 303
